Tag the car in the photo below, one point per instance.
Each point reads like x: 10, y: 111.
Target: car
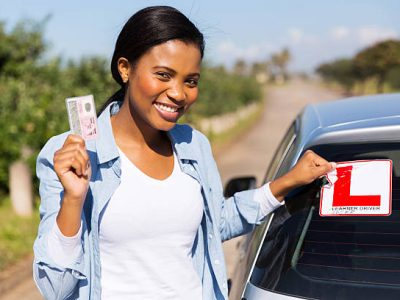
x: 297, y: 254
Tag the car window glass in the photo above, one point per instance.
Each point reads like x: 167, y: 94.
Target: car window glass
x: 280, y: 153
x: 306, y: 255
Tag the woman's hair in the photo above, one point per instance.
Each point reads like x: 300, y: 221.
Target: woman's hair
x: 147, y: 28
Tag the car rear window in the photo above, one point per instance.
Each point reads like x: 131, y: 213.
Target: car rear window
x: 306, y: 255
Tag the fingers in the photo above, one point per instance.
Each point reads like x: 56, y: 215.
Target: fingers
x: 72, y: 159
x: 73, y: 155
x: 74, y: 139
x: 310, y: 167
x: 315, y: 165
x: 318, y: 161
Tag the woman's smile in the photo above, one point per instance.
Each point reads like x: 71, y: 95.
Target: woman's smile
x: 168, y: 112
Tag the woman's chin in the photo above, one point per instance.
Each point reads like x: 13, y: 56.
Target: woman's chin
x: 164, y: 125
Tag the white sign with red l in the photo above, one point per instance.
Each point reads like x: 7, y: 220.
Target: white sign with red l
x: 358, y: 188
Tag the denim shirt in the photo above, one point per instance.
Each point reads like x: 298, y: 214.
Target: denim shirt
x: 222, y: 219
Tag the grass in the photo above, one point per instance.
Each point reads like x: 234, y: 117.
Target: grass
x: 17, y: 234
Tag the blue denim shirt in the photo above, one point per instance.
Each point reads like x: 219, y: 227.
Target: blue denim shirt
x: 222, y: 219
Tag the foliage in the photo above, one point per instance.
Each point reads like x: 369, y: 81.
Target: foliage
x: 33, y: 92
x: 279, y: 62
x: 222, y: 92
x: 393, y: 78
x: 377, y: 61
x: 341, y: 71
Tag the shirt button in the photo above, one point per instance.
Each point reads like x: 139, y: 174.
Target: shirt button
x: 110, y: 163
x: 210, y: 236
x: 216, y: 261
x: 224, y: 286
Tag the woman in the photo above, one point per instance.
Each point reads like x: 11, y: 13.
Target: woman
x: 139, y: 213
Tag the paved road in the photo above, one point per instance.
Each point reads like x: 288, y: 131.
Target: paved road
x: 252, y: 154
x: 249, y: 156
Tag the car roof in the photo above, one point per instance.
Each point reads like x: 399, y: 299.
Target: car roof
x: 356, y: 119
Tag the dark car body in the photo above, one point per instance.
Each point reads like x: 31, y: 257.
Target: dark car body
x: 296, y: 253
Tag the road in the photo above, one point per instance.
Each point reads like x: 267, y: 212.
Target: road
x: 250, y: 156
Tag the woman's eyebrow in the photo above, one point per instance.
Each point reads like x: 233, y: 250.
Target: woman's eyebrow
x: 167, y: 68
x: 174, y: 72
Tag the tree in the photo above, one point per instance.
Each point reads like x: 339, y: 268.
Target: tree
x: 261, y: 71
x: 240, y: 67
x: 33, y: 92
x: 19, y: 52
x: 341, y: 71
x: 378, y: 60
x: 280, y: 61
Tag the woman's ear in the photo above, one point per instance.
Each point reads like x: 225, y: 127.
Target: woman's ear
x: 124, y: 69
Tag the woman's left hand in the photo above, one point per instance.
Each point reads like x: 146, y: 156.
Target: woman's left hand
x: 310, y: 167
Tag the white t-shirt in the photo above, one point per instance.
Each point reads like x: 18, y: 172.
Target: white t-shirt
x: 146, y: 236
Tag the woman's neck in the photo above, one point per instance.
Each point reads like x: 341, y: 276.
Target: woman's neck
x: 131, y: 131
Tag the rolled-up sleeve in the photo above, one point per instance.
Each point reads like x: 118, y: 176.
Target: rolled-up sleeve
x: 266, y: 199
x: 63, y: 250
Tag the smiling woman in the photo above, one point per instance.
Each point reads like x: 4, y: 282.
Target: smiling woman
x: 163, y: 84
x: 139, y: 213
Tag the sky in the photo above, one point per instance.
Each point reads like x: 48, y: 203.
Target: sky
x: 314, y: 31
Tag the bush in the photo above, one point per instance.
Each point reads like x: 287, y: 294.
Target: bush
x: 222, y: 92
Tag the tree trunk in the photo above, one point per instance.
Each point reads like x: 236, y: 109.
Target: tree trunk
x: 21, y: 188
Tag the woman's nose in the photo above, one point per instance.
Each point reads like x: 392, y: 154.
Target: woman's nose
x: 176, y: 92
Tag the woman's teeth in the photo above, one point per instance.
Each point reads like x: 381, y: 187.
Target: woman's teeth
x: 166, y: 108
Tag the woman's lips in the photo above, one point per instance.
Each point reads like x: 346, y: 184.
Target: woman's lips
x: 168, y: 112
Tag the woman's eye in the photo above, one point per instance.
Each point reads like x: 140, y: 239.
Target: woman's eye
x: 163, y: 75
x: 192, y: 82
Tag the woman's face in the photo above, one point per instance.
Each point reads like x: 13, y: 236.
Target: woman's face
x: 163, y: 84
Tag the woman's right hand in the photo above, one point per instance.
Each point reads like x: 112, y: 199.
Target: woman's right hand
x: 72, y: 166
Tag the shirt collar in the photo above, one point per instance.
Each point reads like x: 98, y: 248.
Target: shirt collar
x: 181, y: 137
x: 106, y: 147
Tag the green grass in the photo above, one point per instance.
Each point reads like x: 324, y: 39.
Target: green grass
x: 16, y: 234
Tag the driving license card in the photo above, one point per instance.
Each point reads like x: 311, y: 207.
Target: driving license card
x: 358, y: 188
x: 82, y: 116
